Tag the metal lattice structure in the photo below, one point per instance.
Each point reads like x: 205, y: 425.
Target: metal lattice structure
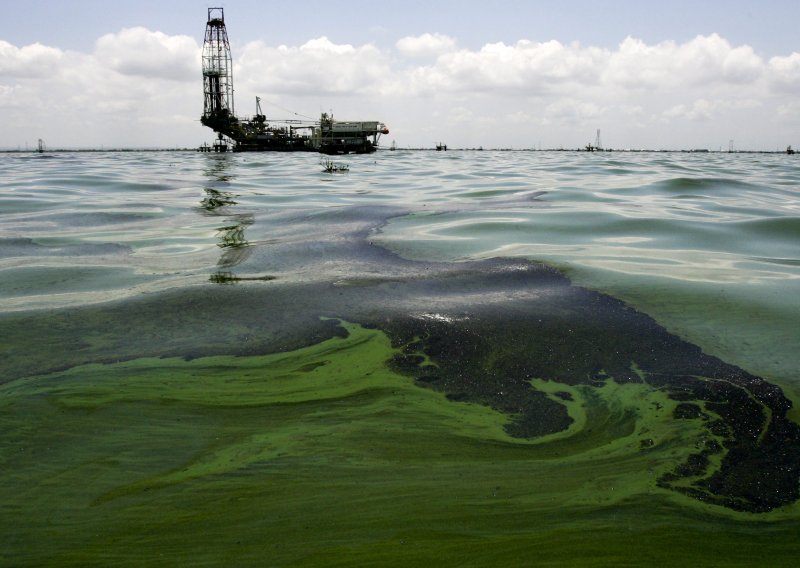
x: 217, y: 68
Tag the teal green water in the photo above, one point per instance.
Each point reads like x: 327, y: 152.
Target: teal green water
x: 706, y: 244
x: 170, y: 391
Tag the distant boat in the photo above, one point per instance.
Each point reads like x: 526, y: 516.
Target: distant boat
x: 40, y: 147
x: 789, y: 150
x: 441, y: 147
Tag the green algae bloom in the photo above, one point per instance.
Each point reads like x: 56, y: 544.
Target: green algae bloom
x: 325, y: 455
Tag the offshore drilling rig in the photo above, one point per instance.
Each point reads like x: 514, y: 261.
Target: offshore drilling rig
x: 327, y: 135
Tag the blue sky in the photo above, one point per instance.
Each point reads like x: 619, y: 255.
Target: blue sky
x: 506, y: 73
x: 770, y: 27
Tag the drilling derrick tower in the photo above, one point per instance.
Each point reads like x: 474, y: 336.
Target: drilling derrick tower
x: 218, y: 112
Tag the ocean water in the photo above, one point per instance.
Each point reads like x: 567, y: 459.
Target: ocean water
x: 468, y: 356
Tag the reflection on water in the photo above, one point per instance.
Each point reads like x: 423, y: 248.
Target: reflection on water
x: 215, y: 199
x: 232, y: 240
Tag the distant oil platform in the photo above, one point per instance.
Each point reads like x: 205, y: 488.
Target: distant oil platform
x: 257, y: 133
x: 598, y: 145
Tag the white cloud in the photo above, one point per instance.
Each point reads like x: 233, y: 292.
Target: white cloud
x: 140, y: 52
x: 705, y: 60
x: 742, y: 65
x: 319, y: 66
x: 572, y: 111
x: 703, y: 109
x: 30, y: 61
x: 700, y: 61
x: 425, y: 45
x: 784, y: 73
x: 100, y: 98
x: 524, y: 66
x: 425, y: 87
x: 553, y: 67
x: 461, y: 114
x: 8, y: 97
x: 700, y: 110
x: 790, y: 111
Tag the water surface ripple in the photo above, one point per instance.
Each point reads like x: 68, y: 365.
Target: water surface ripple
x: 707, y: 243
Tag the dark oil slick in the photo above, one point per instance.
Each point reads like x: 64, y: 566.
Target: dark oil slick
x: 570, y: 335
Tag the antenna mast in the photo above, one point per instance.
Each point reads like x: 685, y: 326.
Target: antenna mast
x: 217, y: 68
